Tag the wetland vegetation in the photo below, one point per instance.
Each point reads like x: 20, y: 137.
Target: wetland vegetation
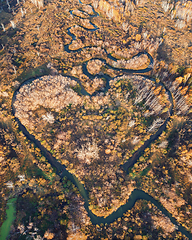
x: 83, y: 88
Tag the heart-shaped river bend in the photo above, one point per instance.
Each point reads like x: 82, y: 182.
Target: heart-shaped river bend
x: 93, y: 135
x: 93, y: 138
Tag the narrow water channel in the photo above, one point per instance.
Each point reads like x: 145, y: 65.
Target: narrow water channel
x: 10, y: 217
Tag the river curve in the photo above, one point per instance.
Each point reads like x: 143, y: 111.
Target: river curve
x: 61, y: 169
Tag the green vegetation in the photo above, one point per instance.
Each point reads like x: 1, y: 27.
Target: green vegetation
x: 10, y: 212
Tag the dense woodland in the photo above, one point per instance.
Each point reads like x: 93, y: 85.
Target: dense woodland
x: 64, y: 76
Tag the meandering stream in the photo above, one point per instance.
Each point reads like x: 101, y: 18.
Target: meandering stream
x: 61, y: 169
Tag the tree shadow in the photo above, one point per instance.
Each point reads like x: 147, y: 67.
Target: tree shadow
x: 164, y: 52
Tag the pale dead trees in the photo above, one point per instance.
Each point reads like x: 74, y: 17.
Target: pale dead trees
x: 125, y: 26
x: 145, y: 34
x: 131, y: 123
x: 88, y: 152
x: 181, y: 106
x: 154, y: 104
x: 21, y: 229
x: 9, y: 184
x: 134, y: 62
x: 139, y: 2
x: 9, y: 7
x: 150, y: 99
x: 148, y: 94
x: 38, y: 3
x: 2, y: 25
x: 135, y: 140
x: 163, y: 144
x: 143, y: 93
x: 30, y: 229
x: 165, y: 5
x: 129, y: 7
x: 49, y: 92
x: 14, y: 69
x: 110, y: 13
x: 13, y: 12
x: 183, y: 12
x: 180, y: 24
x: 172, y: 15
x: 4, y: 94
x: 95, y: 4
x: 22, y: 12
x: 14, y: 50
x: 21, y: 178
x: 13, y: 24
x: 156, y: 124
x: 48, y: 117
x: 180, y: 11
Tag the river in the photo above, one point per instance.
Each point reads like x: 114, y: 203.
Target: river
x: 10, y: 212
x: 61, y: 169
